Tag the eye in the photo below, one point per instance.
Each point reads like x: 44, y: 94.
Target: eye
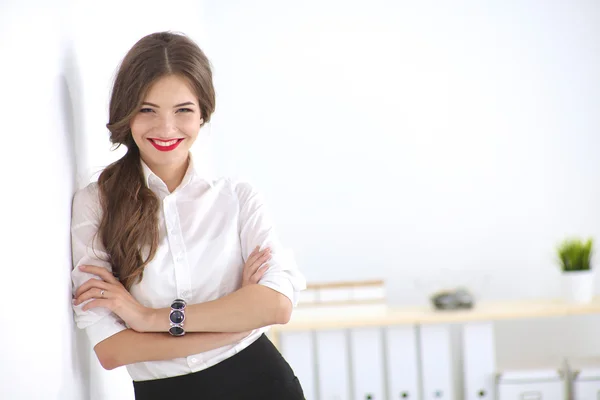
x: 146, y: 110
x: 185, y: 110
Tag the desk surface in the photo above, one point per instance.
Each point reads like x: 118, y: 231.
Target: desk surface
x: 340, y: 317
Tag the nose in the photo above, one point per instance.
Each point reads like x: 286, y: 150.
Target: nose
x: 166, y: 127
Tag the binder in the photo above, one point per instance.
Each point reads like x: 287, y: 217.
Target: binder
x: 298, y: 348
x: 402, y: 362
x: 479, y: 360
x: 366, y: 346
x: 436, y: 362
x: 332, y: 365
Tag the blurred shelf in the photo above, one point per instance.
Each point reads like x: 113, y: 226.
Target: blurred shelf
x: 364, y: 315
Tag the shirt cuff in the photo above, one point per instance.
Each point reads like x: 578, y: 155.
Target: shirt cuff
x: 284, y: 287
x: 104, y: 328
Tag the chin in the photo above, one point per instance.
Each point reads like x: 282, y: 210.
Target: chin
x: 159, y: 158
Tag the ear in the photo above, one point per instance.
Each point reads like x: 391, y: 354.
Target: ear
x: 201, y: 121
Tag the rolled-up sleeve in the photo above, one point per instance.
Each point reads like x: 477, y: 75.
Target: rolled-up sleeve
x: 256, y: 228
x: 99, y: 323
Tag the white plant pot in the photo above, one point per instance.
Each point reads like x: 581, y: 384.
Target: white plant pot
x: 578, y: 286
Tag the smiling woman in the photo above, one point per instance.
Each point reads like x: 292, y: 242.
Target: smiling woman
x: 149, y: 290
x: 168, y: 121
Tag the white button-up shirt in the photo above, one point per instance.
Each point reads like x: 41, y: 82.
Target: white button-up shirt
x: 207, y: 229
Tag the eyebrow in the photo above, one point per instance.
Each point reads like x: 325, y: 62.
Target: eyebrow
x: 188, y: 103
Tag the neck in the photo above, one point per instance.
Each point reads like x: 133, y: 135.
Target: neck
x: 171, y: 175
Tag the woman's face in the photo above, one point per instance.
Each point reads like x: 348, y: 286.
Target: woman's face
x: 167, y: 123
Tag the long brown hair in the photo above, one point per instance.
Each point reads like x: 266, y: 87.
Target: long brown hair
x: 129, y: 223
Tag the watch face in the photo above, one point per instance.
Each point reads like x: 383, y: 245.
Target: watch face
x: 176, y: 317
x: 176, y: 331
x: 178, y: 305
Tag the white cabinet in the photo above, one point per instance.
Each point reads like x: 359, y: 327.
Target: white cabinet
x: 585, y: 377
x: 436, y: 362
x: 586, y: 390
x: 298, y: 349
x: 479, y: 360
x: 531, y: 385
x: 402, y: 362
x: 366, y: 346
x: 333, y: 365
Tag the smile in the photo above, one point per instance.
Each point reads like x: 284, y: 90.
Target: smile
x: 165, y: 145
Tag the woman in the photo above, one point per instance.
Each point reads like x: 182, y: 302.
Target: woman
x: 177, y: 274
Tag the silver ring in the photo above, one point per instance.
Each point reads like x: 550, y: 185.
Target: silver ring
x: 102, y: 293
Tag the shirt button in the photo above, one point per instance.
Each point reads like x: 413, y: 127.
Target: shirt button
x: 194, y: 360
x: 179, y: 257
x: 185, y: 293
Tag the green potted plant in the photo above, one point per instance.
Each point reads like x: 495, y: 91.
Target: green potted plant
x: 575, y: 260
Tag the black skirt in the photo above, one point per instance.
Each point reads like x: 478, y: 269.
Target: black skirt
x: 259, y: 372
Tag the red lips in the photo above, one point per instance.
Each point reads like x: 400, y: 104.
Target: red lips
x: 166, y: 148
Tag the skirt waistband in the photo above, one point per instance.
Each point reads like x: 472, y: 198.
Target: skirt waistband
x: 259, y: 362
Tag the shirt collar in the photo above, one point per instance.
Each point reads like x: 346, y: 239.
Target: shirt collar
x: 191, y: 174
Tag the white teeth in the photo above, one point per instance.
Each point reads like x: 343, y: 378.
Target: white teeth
x: 165, y: 144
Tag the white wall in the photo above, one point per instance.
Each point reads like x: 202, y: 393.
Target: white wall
x: 426, y: 136
x: 430, y: 143
x: 38, y: 352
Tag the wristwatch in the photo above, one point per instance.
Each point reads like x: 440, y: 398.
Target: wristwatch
x: 176, y: 317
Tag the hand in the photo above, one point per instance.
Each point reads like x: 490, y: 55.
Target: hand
x: 252, y: 269
x: 110, y: 293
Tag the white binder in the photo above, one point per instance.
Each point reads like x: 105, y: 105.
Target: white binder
x: 366, y: 346
x: 299, y: 351
x: 332, y: 365
x: 436, y: 362
x: 402, y: 362
x: 479, y: 361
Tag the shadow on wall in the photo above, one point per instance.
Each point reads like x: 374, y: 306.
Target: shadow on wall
x: 70, y: 96
x: 72, y: 99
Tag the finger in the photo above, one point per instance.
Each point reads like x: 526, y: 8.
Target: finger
x: 263, y: 259
x: 259, y: 274
x: 252, y: 265
x: 102, y: 272
x: 252, y: 258
x: 92, y: 283
x: 93, y: 293
x: 98, y: 303
x: 251, y: 269
x: 255, y: 256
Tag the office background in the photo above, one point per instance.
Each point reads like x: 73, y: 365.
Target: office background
x: 428, y: 143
